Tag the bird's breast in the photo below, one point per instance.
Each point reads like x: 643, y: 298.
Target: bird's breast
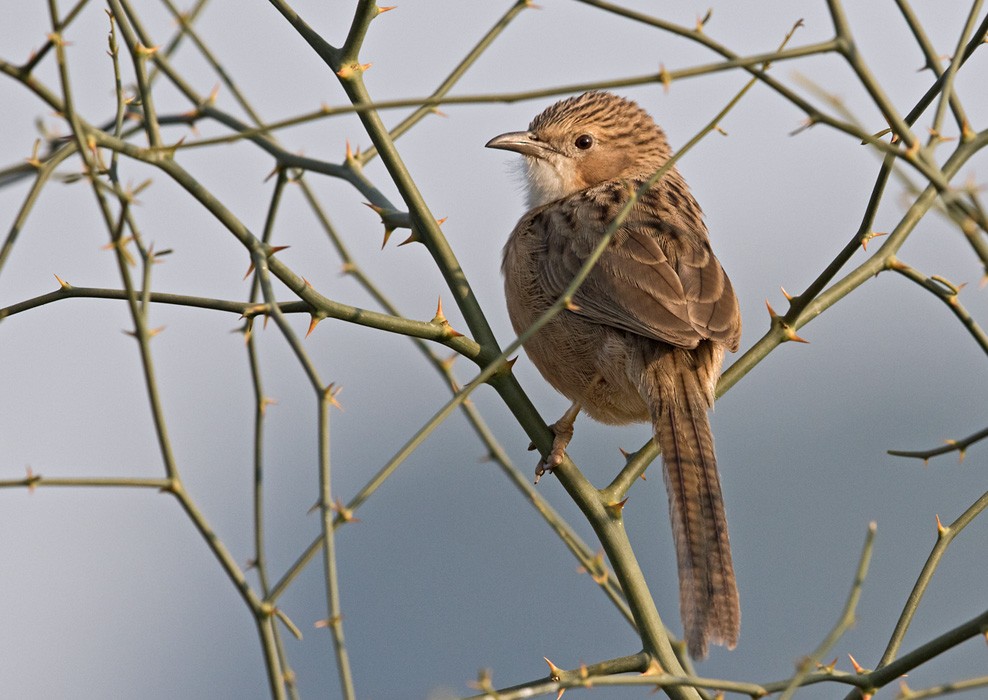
x: 584, y: 361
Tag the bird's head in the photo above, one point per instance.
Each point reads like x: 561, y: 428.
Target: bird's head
x: 584, y: 141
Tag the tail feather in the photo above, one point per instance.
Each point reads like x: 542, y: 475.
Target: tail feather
x: 708, y: 595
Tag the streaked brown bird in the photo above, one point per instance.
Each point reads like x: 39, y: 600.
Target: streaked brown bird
x: 645, y: 336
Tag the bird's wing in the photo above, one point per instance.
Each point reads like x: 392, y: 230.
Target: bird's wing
x: 657, y: 277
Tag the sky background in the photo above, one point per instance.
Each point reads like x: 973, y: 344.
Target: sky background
x: 112, y: 593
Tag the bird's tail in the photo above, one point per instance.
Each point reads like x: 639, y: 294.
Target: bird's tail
x: 708, y: 595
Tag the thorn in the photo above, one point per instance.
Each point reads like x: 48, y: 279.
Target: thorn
x: 615, y: 508
x: 349, y: 156
x: 349, y: 71
x: 413, y: 238
x: 829, y: 668
x: 555, y: 673
x: 447, y: 364
x: 265, y: 402
x: 938, y: 137
x: 387, y: 235
x: 664, y: 78
x: 624, y: 453
x: 439, y: 317
x: 146, y: 51
x: 31, y: 480
x: 597, y: 569
x: 791, y: 335
x: 331, y: 392
x: 560, y: 693
x: 510, y: 362
x: 316, y: 318
x: 327, y: 622
x: 483, y: 681
x: 571, y: 306
x: 654, y: 668
x: 346, y: 514
x: 254, y: 310
x: 868, y: 236
x: 150, y: 332
x: 807, y: 123
x: 441, y: 221
x: 857, y: 667
x: 702, y: 21
x: 941, y: 530
x: 880, y: 134
x: 771, y: 312
x: 62, y: 283
x: 35, y: 160
x: 786, y: 294
x: 57, y: 40
x: 382, y: 10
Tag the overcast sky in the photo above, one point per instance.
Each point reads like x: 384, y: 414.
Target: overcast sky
x: 112, y: 593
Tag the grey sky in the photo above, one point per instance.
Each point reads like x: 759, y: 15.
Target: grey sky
x: 112, y: 593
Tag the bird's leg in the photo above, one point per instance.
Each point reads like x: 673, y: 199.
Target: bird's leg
x: 563, y: 431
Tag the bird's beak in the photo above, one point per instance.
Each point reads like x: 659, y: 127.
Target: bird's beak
x: 520, y: 142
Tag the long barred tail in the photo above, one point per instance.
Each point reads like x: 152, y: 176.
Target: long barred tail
x: 708, y: 594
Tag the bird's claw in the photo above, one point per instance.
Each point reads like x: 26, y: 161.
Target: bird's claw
x: 563, y: 431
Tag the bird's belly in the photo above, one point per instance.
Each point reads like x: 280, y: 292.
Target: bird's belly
x: 588, y: 363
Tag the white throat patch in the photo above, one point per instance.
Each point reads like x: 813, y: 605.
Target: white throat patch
x: 545, y: 183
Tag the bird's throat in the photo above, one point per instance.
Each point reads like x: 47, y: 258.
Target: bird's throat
x: 547, y: 182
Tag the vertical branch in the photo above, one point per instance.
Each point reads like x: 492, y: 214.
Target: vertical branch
x: 849, y: 51
x: 260, y: 412
x: 334, y: 619
x: 325, y: 397
x: 139, y: 54
x: 930, y: 56
x: 947, y: 93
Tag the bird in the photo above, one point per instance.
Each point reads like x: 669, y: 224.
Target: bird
x: 643, y: 338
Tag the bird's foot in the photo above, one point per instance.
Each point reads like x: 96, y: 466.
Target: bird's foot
x: 563, y: 431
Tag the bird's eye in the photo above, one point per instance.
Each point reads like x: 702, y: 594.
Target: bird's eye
x: 584, y: 141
